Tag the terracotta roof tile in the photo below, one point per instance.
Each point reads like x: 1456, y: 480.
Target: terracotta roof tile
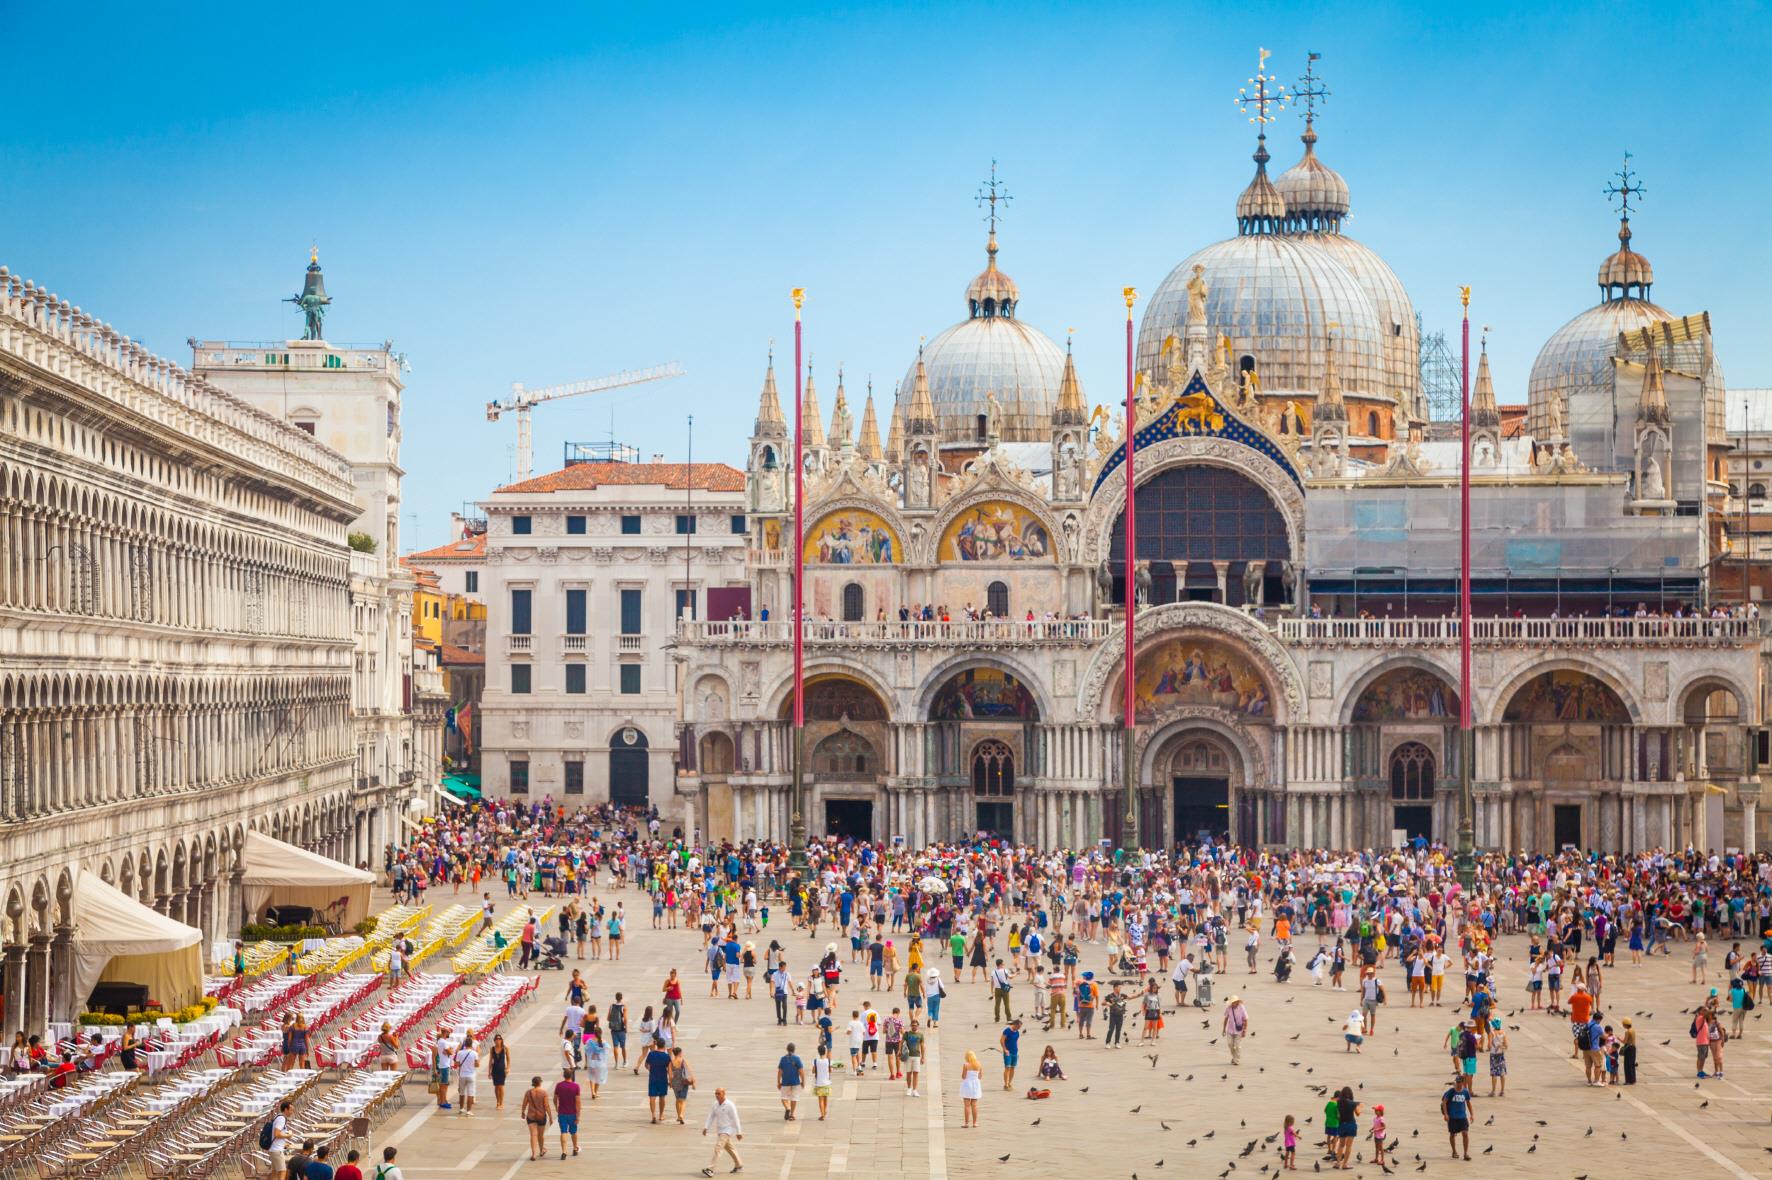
x: 583, y: 477
x: 461, y: 655
x: 465, y: 549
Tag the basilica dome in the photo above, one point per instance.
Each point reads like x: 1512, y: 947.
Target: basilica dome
x: 1577, y: 360
x: 1285, y: 281
x: 991, y: 352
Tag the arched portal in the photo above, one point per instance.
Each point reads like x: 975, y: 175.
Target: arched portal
x: 629, y: 768
x: 716, y: 754
x: 1209, y: 532
x: 846, y: 736
x: 993, y: 787
x: 1412, y: 791
x: 1201, y: 771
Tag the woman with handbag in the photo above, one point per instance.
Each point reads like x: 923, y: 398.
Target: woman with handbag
x: 536, y: 1111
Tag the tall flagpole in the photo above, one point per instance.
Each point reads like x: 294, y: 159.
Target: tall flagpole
x: 1129, y: 832
x: 797, y: 824
x: 1465, y: 859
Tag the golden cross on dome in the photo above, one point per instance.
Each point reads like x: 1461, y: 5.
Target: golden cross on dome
x: 1267, y: 92
x: 1309, y: 88
x: 1625, y: 188
x: 990, y: 192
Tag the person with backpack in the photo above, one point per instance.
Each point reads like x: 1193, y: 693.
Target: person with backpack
x: 273, y: 1137
x: 388, y: 1169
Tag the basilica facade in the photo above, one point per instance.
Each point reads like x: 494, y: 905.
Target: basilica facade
x: 1295, y: 602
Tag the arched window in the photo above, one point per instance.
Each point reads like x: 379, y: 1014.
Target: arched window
x: 1372, y: 418
x: 1412, y: 773
x: 1756, y: 491
x: 984, y: 427
x: 852, y: 603
x: 996, y: 599
x: 993, y: 769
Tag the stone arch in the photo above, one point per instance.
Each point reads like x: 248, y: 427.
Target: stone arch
x: 1504, y: 697
x: 1695, y: 688
x: 1109, y: 500
x: 1225, y: 725
x: 818, y: 513
x: 713, y: 698
x: 937, y: 678
x: 1382, y: 666
x: 1093, y: 700
x: 716, y: 754
x: 781, y: 697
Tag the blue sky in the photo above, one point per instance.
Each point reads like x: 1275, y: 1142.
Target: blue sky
x: 545, y: 194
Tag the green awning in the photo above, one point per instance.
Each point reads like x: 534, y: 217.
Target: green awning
x: 463, y: 786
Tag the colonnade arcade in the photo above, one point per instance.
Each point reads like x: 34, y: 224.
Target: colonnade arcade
x: 197, y: 880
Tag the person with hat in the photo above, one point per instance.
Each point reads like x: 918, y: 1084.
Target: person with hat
x: 1236, y: 1027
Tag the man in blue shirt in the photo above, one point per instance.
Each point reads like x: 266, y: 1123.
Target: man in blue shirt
x: 1010, y: 1043
x: 1455, y: 1108
x: 789, y: 1072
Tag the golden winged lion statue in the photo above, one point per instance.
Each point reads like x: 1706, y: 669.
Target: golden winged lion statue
x: 1198, y: 414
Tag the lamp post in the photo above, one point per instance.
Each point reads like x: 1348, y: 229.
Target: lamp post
x: 1129, y: 832
x: 1465, y: 860
x: 797, y: 822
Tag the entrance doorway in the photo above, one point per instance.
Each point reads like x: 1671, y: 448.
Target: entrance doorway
x: 1202, y: 808
x: 628, y: 760
x: 849, y: 819
x: 1566, y: 823
x: 997, y: 819
x: 1415, y: 821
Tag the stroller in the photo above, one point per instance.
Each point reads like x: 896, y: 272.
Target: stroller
x: 553, y: 954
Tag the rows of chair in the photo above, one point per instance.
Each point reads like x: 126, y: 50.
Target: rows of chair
x: 269, y: 995
x: 401, y: 1009
x: 121, y: 1138
x: 448, y: 928
x: 479, y: 1013
x: 319, y: 1006
x: 28, y: 1127
x: 485, y: 954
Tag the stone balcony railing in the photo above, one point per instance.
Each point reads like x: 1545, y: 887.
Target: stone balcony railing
x: 1510, y: 632
x: 892, y: 633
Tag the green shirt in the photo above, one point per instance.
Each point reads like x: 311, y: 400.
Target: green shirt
x: 956, y: 944
x: 913, y: 1044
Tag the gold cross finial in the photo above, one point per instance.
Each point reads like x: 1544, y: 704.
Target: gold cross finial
x: 1261, y: 93
x: 1309, y: 88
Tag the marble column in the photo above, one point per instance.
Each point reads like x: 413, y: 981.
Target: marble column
x: 34, y: 1016
x: 12, y: 982
x: 62, y: 999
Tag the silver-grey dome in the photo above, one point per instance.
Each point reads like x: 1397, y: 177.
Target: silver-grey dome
x: 1396, y: 312
x: 1315, y: 194
x: 1577, y: 359
x: 1275, y: 297
x: 986, y: 355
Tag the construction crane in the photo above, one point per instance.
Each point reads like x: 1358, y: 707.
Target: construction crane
x: 523, y: 400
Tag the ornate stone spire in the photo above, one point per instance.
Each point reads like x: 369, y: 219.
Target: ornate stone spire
x: 842, y: 422
x: 895, y: 433
x: 1652, y: 408
x: 769, y: 416
x: 870, y: 430
x: 921, y: 419
x: 1071, y: 410
x: 1484, y: 412
x: 812, y: 429
x: 1329, y: 405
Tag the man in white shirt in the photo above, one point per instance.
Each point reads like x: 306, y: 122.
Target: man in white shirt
x: 280, y: 1138
x: 467, y: 1061
x: 723, y: 1122
x: 857, y: 1034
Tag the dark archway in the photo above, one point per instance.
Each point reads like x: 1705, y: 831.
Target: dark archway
x: 1412, y: 790
x: 993, y: 787
x: 629, y: 769
x: 1191, y: 516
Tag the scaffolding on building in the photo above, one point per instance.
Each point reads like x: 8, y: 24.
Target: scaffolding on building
x: 1442, y: 393
x: 600, y: 452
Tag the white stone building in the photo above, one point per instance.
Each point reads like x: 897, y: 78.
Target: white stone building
x: 586, y: 569
x: 348, y: 397
x: 175, y: 640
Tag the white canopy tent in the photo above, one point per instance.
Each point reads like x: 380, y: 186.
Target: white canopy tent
x: 118, y: 939
x: 282, y: 874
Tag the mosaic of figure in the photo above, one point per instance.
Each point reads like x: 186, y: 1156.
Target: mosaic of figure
x: 983, y: 693
x: 1188, y: 670
x: 1566, y: 695
x: 996, y: 531
x: 1407, y: 694
x: 852, y: 537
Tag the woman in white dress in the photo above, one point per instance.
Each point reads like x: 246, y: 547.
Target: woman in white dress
x: 971, y: 1088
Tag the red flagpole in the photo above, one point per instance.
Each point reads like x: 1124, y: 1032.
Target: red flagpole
x: 1131, y: 833
x: 1465, y: 861
x: 797, y: 823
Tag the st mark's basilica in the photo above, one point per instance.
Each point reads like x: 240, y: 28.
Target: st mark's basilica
x: 1298, y: 528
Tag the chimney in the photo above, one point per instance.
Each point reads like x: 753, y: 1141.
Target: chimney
x: 458, y: 526
x: 657, y: 458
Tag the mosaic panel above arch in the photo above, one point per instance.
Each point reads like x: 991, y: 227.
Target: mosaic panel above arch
x: 1565, y: 694
x: 995, y: 531
x: 1407, y: 694
x: 853, y: 536
x: 1199, y: 670
x: 984, y: 694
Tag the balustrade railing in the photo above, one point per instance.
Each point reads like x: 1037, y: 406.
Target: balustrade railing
x: 1509, y: 632
x: 893, y: 632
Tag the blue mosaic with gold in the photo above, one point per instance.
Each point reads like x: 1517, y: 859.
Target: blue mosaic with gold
x: 1198, y: 414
